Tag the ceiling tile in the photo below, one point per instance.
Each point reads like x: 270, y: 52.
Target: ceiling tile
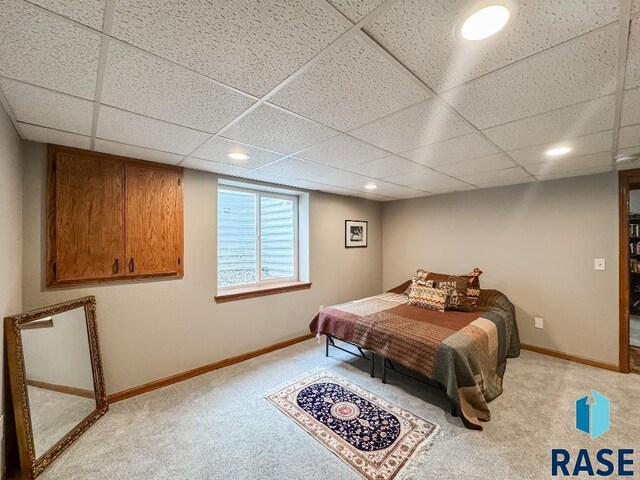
x: 631, y: 107
x: 269, y: 177
x: 420, y: 177
x: 215, y: 167
x: 632, y: 74
x: 47, y: 108
x: 629, y: 137
x: 297, y: 168
x: 57, y: 137
x: 451, y: 151
x: 568, y: 122
x: 581, y: 69
x: 132, y: 129
x: 404, y: 192
x: 443, y: 186
x: 419, y: 34
x: 337, y: 190
x: 594, y: 143
x: 300, y: 183
x: 506, y: 183
x: 355, y: 10
x: 273, y: 129
x: 131, y: 151
x: 427, y: 122
x: 247, y: 44
x: 593, y: 160
x: 461, y: 188
x: 385, y: 167
x: 86, y: 12
x: 496, y: 176
x: 575, y: 173
x: 141, y: 83
x: 340, y: 178
x: 477, y: 165
x: 216, y: 149
x: 43, y: 50
x: 628, y: 164
x: 381, y: 187
x: 349, y: 87
x: 373, y: 196
x: 342, y: 151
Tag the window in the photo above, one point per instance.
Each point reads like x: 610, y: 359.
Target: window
x: 257, y: 237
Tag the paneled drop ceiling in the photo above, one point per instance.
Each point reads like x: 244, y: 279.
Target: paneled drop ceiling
x: 330, y: 95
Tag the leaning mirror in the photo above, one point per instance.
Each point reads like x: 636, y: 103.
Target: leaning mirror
x: 57, y: 385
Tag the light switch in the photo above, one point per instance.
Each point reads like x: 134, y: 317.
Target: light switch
x: 600, y: 264
x: 538, y: 322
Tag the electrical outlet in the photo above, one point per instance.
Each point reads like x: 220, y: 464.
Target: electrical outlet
x: 320, y: 307
x: 539, y: 322
x: 599, y: 264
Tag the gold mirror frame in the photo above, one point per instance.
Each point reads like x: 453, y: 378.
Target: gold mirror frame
x: 30, y: 465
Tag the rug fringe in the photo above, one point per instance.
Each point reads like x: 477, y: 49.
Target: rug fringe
x: 413, y: 467
x: 296, y: 379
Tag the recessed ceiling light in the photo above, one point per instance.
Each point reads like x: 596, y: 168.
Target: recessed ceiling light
x: 558, y: 151
x: 237, y: 156
x: 485, y: 19
x: 371, y: 186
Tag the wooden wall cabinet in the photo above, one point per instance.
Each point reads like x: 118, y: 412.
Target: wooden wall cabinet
x: 112, y: 218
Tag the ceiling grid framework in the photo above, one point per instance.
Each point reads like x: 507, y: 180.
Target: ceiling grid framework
x: 408, y: 143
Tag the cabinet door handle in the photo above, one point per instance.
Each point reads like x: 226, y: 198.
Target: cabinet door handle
x: 132, y: 265
x: 116, y: 266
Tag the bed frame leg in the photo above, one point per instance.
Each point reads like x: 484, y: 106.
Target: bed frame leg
x: 326, y: 347
x: 373, y: 365
x: 384, y: 370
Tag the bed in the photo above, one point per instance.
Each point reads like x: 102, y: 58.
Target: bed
x: 465, y: 353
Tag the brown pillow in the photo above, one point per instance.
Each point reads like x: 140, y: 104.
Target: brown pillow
x: 473, y: 292
x: 428, y: 297
x: 458, y: 286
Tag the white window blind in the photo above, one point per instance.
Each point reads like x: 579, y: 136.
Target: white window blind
x: 257, y: 237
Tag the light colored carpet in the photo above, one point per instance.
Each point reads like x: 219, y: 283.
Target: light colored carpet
x: 54, y: 414
x: 218, y: 426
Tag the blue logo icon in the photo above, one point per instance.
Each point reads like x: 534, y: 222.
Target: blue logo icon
x: 592, y: 414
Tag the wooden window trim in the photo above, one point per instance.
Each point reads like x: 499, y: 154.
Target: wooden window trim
x: 260, y: 291
x: 51, y: 235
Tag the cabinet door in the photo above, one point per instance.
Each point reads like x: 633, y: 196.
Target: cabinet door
x: 154, y: 221
x: 89, y: 218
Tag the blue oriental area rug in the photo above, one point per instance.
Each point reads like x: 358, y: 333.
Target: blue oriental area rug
x: 374, y: 437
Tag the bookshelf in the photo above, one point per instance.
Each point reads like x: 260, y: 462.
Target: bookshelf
x: 634, y: 263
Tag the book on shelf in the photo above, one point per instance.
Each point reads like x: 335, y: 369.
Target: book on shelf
x: 634, y: 265
x: 634, y: 230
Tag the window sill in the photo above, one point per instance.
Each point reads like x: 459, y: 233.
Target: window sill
x: 261, y: 291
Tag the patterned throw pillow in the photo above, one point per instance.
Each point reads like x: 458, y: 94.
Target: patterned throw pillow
x: 473, y: 291
x: 459, y: 285
x: 428, y: 297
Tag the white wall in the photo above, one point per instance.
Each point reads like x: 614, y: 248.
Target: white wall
x: 60, y: 355
x: 535, y: 242
x: 153, y: 329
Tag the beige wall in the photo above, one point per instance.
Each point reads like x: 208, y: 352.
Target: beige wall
x: 535, y: 242
x: 10, y: 231
x: 152, y: 329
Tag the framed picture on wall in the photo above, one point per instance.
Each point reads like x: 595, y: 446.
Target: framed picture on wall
x: 355, y: 234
